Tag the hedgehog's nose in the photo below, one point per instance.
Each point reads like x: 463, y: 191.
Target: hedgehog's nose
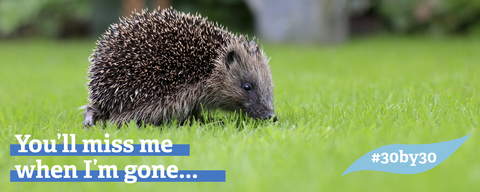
x: 274, y: 117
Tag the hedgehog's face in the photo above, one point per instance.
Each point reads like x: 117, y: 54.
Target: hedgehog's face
x: 248, y: 85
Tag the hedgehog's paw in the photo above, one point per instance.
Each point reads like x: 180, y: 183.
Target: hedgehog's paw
x: 88, y: 122
x: 89, y: 117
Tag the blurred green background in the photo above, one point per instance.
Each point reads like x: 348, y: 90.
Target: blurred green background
x: 88, y: 18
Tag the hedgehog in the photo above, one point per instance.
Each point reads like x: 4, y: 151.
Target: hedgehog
x: 154, y: 67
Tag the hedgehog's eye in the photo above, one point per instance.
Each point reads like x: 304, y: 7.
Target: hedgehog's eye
x: 247, y: 87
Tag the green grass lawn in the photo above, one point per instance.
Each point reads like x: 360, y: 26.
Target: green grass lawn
x: 334, y: 104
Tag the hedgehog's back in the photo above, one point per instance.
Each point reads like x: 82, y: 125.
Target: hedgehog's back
x: 152, y: 55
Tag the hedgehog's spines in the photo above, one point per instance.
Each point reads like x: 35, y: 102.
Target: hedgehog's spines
x: 160, y: 26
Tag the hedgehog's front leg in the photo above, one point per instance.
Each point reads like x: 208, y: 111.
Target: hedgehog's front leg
x: 199, y: 114
x: 90, y: 117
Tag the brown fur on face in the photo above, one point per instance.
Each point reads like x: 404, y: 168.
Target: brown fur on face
x: 155, y: 67
x: 239, y: 63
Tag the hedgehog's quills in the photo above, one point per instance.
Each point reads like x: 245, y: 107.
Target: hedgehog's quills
x: 155, y: 67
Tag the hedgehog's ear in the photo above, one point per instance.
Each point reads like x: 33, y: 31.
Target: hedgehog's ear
x: 230, y: 58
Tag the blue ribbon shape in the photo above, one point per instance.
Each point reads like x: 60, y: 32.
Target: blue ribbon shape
x: 406, y: 159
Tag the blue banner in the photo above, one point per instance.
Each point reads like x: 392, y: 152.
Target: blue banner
x: 181, y: 176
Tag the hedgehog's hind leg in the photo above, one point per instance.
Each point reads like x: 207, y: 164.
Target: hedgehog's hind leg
x: 90, y: 117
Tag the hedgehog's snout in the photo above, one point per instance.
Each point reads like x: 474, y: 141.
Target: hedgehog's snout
x: 259, y: 114
x: 270, y: 116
